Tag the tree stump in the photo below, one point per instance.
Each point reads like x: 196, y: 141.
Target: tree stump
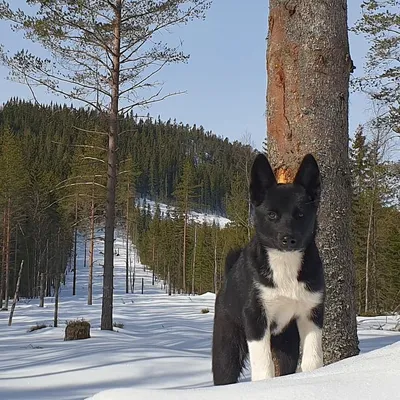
x: 76, y: 330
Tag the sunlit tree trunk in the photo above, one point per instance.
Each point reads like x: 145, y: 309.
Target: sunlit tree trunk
x: 308, y: 65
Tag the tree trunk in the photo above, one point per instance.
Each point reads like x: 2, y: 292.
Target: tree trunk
x: 375, y: 302
x: 367, y: 258
x: 7, y: 255
x: 194, y: 256
x: 47, y: 273
x: 75, y: 245
x: 308, y: 65
x: 56, y: 297
x: 108, y: 278
x: 169, y: 283
x: 185, y: 216
x: 91, y: 253
x: 215, y: 264
x: 15, y: 294
x: 41, y: 289
x: 15, y: 256
x: 85, y: 257
x: 127, y: 245
x: 3, y: 258
x: 130, y: 273
x: 371, y: 235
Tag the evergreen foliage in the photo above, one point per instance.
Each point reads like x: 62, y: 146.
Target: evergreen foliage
x: 172, y: 163
x: 380, y: 25
x: 375, y: 225
x: 53, y: 170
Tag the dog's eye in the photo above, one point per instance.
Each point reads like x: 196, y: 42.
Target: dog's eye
x: 272, y: 215
x: 300, y: 214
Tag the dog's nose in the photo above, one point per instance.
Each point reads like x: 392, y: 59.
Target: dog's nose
x: 289, y: 241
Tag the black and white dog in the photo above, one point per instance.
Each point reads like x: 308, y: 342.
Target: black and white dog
x: 272, y: 299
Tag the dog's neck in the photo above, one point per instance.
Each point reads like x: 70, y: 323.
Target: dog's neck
x: 291, y: 260
x: 285, y: 266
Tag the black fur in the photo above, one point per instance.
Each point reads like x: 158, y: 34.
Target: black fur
x: 231, y: 258
x: 285, y: 220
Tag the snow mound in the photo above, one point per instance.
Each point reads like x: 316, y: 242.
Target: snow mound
x: 371, y: 376
x: 208, y: 296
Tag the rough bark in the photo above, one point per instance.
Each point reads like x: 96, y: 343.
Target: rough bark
x: 309, y: 64
x: 108, y: 278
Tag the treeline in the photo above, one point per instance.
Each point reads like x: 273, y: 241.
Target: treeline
x: 33, y: 226
x: 53, y: 175
x: 191, y: 256
x: 187, y: 254
x: 376, y: 222
x: 159, y: 149
x: 52, y: 188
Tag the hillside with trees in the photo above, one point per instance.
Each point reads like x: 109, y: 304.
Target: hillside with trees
x: 47, y: 201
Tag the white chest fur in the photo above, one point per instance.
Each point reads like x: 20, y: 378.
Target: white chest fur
x: 289, y: 298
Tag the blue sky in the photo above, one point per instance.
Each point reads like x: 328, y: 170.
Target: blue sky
x: 225, y: 78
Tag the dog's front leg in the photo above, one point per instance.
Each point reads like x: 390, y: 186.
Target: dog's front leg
x: 310, y: 331
x: 259, y: 343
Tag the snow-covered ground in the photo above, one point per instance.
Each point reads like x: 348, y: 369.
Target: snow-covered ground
x: 193, y: 215
x: 163, y: 351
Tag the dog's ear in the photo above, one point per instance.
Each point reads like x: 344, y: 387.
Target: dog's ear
x: 262, y: 178
x: 309, y: 177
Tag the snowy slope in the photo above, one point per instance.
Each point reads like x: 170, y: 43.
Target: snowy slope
x: 164, y: 344
x: 193, y: 215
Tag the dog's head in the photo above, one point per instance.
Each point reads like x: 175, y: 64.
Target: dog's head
x: 285, y: 214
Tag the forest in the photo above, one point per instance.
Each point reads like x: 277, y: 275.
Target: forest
x: 47, y: 201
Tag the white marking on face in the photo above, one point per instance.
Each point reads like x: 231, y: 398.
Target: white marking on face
x: 261, y: 362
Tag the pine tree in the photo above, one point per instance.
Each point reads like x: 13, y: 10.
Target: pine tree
x: 238, y: 208
x: 380, y: 25
x: 308, y: 68
x: 13, y: 181
x: 115, y: 70
x: 128, y: 173
x: 184, y: 193
x: 373, y: 202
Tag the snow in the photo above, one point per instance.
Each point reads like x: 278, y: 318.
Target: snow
x: 193, y: 215
x: 163, y: 350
